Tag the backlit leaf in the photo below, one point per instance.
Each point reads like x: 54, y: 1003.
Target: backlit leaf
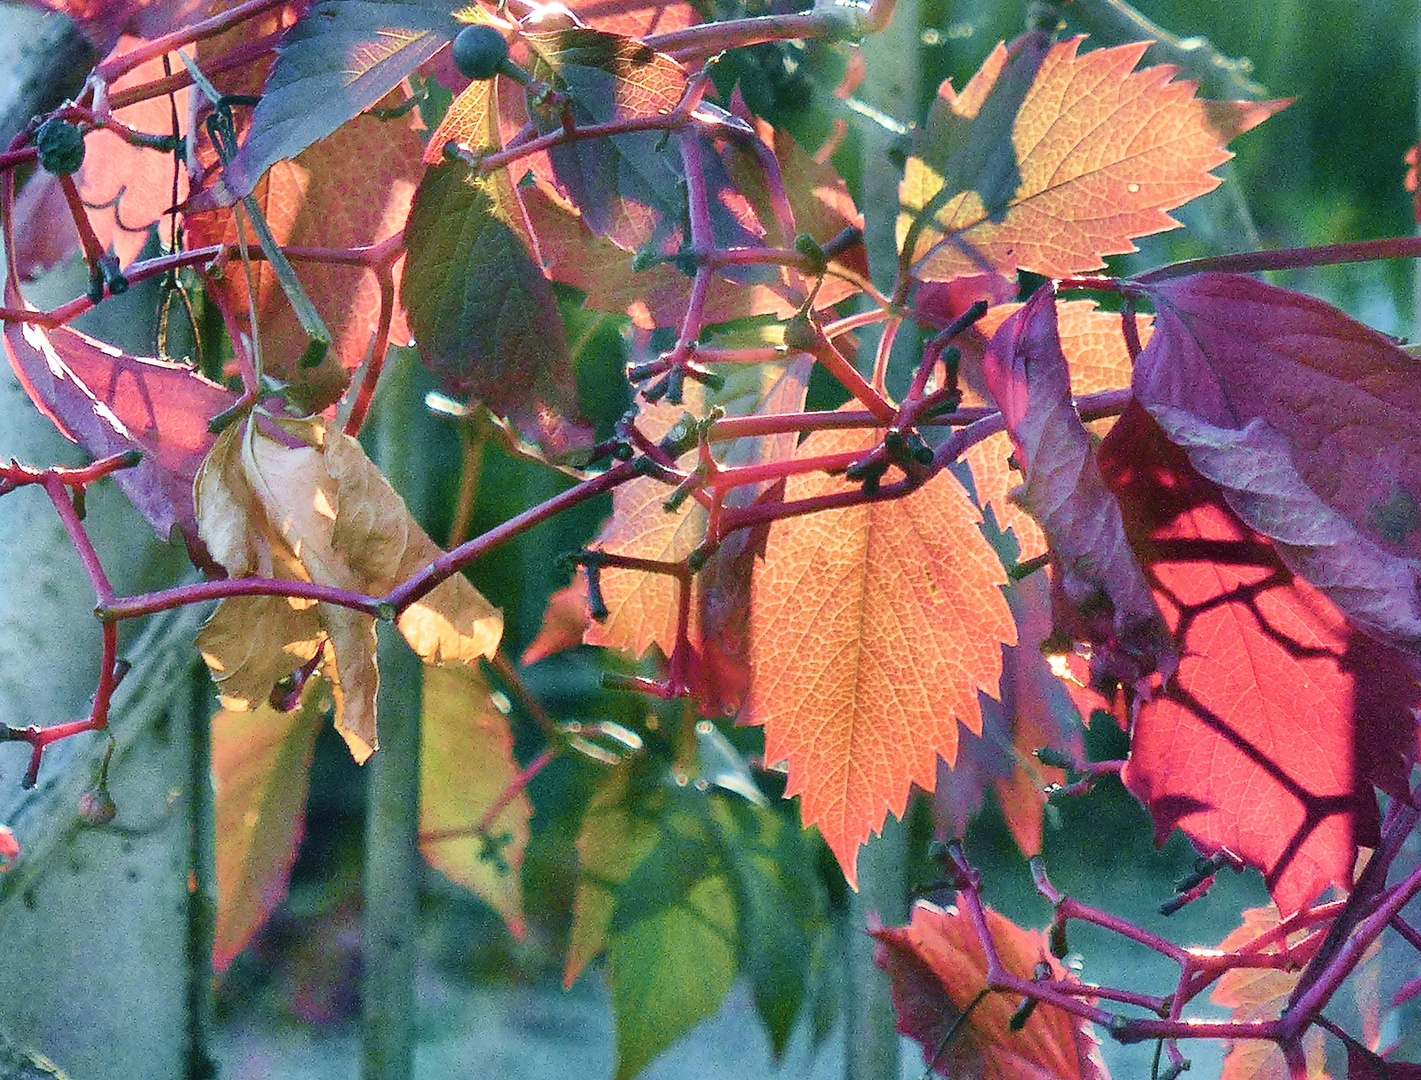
x: 350, y: 190
x: 1101, y: 153
x: 130, y: 187
x: 260, y: 760
x: 1034, y: 711
x: 465, y: 763
x: 938, y: 967
x: 621, y: 183
x: 340, y: 58
x: 636, y: 18
x: 1100, y: 597
x: 1261, y: 994
x: 482, y: 313
x: 320, y: 511
x: 1281, y: 717
x: 872, y: 629
x: 1378, y: 591
x: 109, y: 402
x: 1097, y: 360
x: 1228, y: 348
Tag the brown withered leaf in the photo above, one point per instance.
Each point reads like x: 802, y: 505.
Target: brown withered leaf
x: 312, y: 507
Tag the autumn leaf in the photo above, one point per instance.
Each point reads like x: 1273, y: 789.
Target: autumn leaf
x: 1261, y: 994
x: 1100, y: 594
x: 104, y: 22
x: 260, y: 762
x: 1097, y: 360
x: 352, y: 189
x: 623, y: 183
x: 1099, y: 154
x: 109, y: 402
x: 642, y: 607
x: 565, y: 619
x: 938, y: 968
x: 482, y: 313
x: 126, y: 187
x: 636, y: 18
x: 1229, y: 350
x: 320, y: 511
x: 1034, y: 712
x: 339, y: 59
x: 872, y: 629
x: 1281, y: 717
x: 465, y: 765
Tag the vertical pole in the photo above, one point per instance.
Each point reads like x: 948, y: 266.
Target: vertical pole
x: 202, y: 865
x: 892, y: 86
x: 391, y: 883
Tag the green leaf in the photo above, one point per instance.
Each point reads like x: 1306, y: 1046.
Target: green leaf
x: 466, y: 762
x: 339, y: 59
x: 482, y: 313
x: 781, y: 909
x: 622, y: 185
x: 672, y: 957
x: 260, y: 761
x: 616, y: 836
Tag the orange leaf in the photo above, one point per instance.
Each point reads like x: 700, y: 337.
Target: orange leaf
x: 351, y: 189
x: 1101, y: 153
x: 465, y: 765
x: 871, y: 629
x: 1260, y: 994
x: 938, y: 968
x: 259, y: 774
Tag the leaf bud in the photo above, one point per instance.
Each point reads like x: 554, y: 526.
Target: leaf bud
x: 96, y: 806
x: 60, y: 145
x: 675, y: 385
x: 1022, y: 1015
x: 1056, y: 759
x: 479, y: 52
x: 1059, y: 946
x: 596, y: 604
x: 114, y: 280
x: 807, y: 246
x: 1173, y: 1071
x: 800, y: 334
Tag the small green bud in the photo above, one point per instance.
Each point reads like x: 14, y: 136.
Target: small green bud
x: 60, y: 145
x: 479, y: 52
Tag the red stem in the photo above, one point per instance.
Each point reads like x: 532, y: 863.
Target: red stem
x: 110, y: 70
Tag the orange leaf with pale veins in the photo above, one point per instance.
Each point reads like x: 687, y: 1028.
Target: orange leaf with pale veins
x: 938, y: 968
x: 1102, y: 152
x: 351, y: 189
x: 1260, y: 994
x: 872, y: 630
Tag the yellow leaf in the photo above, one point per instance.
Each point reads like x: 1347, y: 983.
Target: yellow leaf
x: 466, y: 763
x: 321, y: 512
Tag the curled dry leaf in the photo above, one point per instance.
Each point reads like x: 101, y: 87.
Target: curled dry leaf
x: 1101, y: 596
x: 313, y: 507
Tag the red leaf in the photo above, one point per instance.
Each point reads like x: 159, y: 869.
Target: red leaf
x: 938, y: 968
x: 351, y: 189
x: 1101, y: 596
x: 564, y: 622
x: 130, y: 187
x: 104, y: 21
x: 109, y: 402
x: 1230, y: 349
x: 1281, y: 717
x: 635, y: 18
